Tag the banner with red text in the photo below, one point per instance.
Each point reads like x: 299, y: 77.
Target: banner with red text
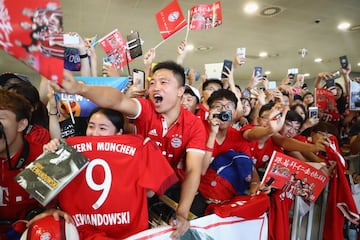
x: 213, y: 227
x: 170, y: 19
x: 295, y: 176
x: 27, y: 32
x: 205, y: 16
x: 115, y: 48
x: 326, y: 102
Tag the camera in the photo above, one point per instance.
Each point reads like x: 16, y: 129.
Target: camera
x: 224, y: 116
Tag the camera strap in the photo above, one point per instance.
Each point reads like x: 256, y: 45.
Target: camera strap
x: 22, y: 158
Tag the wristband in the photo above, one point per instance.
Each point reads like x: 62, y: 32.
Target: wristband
x: 209, y: 149
x: 53, y: 114
x: 83, y: 55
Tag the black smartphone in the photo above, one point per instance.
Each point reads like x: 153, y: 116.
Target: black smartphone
x: 139, y: 79
x: 228, y: 64
x: 344, y: 62
x: 257, y: 71
x: 134, y: 44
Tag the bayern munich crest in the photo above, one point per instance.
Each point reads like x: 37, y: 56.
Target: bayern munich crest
x: 176, y: 142
x: 173, y: 16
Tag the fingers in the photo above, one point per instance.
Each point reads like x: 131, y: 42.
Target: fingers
x: 181, y: 225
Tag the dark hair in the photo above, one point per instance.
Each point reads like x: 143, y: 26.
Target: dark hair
x: 266, y: 107
x: 176, y: 69
x: 221, y: 94
x: 308, y: 93
x: 293, y: 108
x: 294, y: 117
x: 115, y: 117
x: 326, y: 127
x: 212, y: 80
x: 15, y: 103
x: 30, y: 92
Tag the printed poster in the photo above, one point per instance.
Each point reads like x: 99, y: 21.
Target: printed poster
x: 27, y: 32
x: 115, y: 48
x: 295, y: 176
x: 325, y: 101
x: 205, y: 16
x: 354, y: 95
x: 81, y: 106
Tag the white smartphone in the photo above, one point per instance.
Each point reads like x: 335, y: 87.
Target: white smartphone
x: 71, y: 39
x: 241, y: 52
x: 139, y: 79
x: 272, y: 84
x: 313, y: 112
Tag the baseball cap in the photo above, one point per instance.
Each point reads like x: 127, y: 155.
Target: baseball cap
x: 192, y: 91
x: 4, y: 77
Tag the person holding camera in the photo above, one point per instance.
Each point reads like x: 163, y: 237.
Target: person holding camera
x: 15, y: 153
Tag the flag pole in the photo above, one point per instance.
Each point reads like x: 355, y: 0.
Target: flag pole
x: 164, y: 40
x: 188, y: 26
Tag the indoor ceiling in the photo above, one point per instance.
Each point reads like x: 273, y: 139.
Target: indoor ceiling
x: 298, y: 24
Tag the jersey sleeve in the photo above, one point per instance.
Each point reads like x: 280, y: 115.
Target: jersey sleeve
x: 197, y: 137
x: 158, y: 175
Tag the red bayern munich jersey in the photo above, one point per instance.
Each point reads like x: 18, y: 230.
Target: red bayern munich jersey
x: 15, y: 202
x: 261, y: 155
x: 186, y: 134
x: 234, y: 140
x: 108, y: 198
x: 203, y: 112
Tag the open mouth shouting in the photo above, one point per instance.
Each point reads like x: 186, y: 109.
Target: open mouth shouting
x: 158, y: 98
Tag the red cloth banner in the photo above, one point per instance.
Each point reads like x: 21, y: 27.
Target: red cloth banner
x: 115, y: 47
x: 326, y: 102
x: 295, y: 176
x: 28, y: 30
x: 170, y: 19
x: 205, y: 16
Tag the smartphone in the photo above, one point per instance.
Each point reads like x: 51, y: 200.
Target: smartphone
x: 134, y: 44
x: 139, y: 79
x: 344, y: 62
x: 313, y: 112
x: 241, y: 52
x: 228, y: 64
x: 257, y: 71
x: 272, y: 84
x: 71, y: 39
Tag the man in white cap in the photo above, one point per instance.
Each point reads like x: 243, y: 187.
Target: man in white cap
x: 191, y: 99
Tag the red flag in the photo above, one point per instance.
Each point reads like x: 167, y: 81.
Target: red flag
x: 170, y: 19
x: 205, y: 16
x: 115, y: 48
x: 27, y: 32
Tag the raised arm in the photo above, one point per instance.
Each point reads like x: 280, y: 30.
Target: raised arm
x: 103, y: 96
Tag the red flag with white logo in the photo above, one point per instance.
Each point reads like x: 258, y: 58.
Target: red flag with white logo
x: 170, y: 19
x: 205, y: 16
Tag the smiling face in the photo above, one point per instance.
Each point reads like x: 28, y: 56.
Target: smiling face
x: 290, y: 129
x: 165, y: 91
x: 189, y: 102
x: 100, y: 125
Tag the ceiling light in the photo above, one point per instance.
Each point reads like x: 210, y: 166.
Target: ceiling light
x: 358, y: 64
x: 263, y: 54
x: 306, y: 74
x: 267, y: 72
x: 317, y: 60
x: 344, y: 26
x: 189, y: 47
x: 250, y: 8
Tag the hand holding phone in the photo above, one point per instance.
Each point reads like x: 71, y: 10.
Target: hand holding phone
x: 139, y: 79
x: 313, y: 112
x: 257, y: 71
x: 344, y: 62
x: 227, y: 64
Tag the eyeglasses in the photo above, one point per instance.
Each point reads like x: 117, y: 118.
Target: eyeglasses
x: 219, y: 106
x: 291, y: 127
x: 211, y: 89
